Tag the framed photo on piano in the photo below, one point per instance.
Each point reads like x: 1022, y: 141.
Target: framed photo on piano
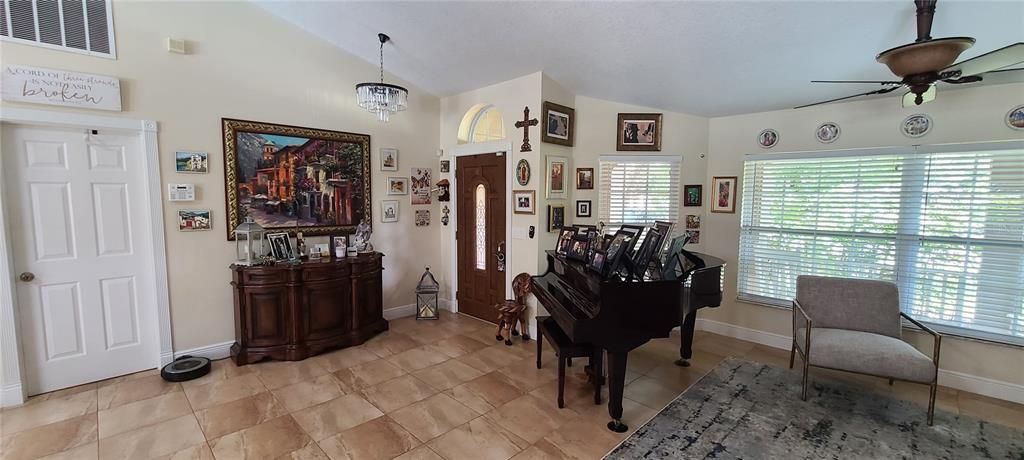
x: 597, y: 261
x: 565, y: 240
x: 578, y: 248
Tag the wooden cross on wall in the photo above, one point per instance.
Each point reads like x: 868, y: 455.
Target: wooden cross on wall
x: 526, y: 124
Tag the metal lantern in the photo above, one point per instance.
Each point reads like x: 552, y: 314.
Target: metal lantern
x: 426, y: 296
x: 249, y: 243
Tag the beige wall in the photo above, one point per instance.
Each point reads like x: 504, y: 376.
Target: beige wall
x: 684, y: 136
x: 245, y: 63
x: 966, y: 115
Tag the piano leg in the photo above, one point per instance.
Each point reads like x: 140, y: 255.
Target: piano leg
x: 597, y: 373
x: 686, y: 339
x: 616, y: 383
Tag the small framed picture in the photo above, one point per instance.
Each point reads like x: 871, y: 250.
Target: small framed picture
x: 565, y: 240
x: 389, y: 211
x: 639, y: 132
x: 559, y: 124
x: 194, y: 220
x: 523, y: 172
x: 525, y: 201
x: 398, y: 186
x: 557, y: 169
x: 692, y: 221
x: 280, y: 246
x: 1015, y: 118
x: 584, y: 178
x: 692, y: 194
x: 725, y: 194
x: 192, y: 162
x: 597, y: 261
x: 388, y: 159
x: 556, y: 217
x: 694, y: 236
x: 578, y: 248
x: 583, y: 208
x: 422, y: 217
x: 421, y: 185
x: 446, y: 165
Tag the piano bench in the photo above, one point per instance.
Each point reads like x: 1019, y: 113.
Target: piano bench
x: 565, y: 350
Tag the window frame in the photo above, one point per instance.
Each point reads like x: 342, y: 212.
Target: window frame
x: 786, y: 304
x: 110, y: 31
x: 604, y: 207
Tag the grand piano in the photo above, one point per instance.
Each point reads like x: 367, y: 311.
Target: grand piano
x: 619, y: 316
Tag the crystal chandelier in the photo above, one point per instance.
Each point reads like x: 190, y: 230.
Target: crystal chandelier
x: 382, y: 98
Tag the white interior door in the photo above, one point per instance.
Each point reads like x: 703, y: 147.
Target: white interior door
x: 85, y: 280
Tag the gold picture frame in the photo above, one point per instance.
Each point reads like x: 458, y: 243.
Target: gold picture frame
x: 291, y: 178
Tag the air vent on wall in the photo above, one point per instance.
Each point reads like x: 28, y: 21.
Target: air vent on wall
x: 81, y: 26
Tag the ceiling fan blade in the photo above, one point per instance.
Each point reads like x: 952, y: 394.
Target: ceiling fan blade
x: 878, y: 91
x: 962, y: 80
x: 880, y: 82
x: 988, y: 62
x: 1006, y: 70
x: 910, y: 99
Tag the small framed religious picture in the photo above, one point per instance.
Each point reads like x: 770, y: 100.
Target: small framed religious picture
x: 584, y: 178
x: 523, y: 172
x: 525, y: 202
x: 692, y: 194
x: 557, y: 184
x: 446, y: 165
x: 280, y: 246
x: 389, y: 211
x: 639, y: 132
x: 559, y: 124
x: 556, y: 217
x: 583, y: 208
x: 724, y: 199
x: 388, y: 159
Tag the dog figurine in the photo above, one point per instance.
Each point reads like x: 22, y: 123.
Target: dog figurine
x: 512, y: 313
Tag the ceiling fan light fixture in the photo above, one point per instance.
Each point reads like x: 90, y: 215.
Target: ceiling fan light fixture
x: 924, y: 57
x: 381, y: 98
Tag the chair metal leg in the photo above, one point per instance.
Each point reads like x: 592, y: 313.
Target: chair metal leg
x: 803, y: 392
x: 931, y: 403
x: 792, y: 354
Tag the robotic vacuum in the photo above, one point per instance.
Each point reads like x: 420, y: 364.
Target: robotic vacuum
x: 185, y: 368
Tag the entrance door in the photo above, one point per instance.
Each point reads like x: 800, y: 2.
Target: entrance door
x: 480, y: 233
x: 81, y: 253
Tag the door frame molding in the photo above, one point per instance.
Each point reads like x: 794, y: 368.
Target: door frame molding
x: 12, y: 378
x: 465, y: 150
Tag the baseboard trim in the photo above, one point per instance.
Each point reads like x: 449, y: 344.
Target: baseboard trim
x: 400, y: 311
x: 979, y: 385
x: 12, y: 394
x: 216, y: 351
x: 750, y: 335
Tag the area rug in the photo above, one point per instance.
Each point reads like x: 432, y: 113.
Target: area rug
x: 748, y: 410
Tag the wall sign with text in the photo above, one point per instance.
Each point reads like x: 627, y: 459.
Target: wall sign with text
x: 60, y: 87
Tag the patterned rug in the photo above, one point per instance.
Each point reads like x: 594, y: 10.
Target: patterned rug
x: 747, y: 410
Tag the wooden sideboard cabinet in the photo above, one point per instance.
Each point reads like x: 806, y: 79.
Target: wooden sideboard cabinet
x: 293, y: 311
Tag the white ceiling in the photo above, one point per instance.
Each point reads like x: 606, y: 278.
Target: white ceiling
x: 704, y: 58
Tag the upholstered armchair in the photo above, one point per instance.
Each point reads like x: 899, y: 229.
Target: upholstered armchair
x: 854, y: 325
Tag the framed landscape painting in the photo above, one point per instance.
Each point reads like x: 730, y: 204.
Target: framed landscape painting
x: 290, y: 178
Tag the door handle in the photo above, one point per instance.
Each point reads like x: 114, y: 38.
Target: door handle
x: 27, y: 276
x: 501, y: 256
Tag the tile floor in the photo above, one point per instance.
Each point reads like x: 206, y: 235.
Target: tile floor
x: 424, y: 390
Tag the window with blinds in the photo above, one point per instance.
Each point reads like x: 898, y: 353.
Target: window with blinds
x: 638, y: 190
x: 81, y: 26
x: 947, y: 227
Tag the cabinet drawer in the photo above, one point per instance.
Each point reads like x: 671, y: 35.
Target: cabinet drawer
x: 331, y: 272
x: 270, y: 276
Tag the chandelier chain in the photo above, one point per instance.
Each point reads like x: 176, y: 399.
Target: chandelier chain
x: 382, y: 61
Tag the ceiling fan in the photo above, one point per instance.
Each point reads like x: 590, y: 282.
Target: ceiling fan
x: 920, y: 65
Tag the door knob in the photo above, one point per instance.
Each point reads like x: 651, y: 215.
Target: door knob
x: 27, y: 276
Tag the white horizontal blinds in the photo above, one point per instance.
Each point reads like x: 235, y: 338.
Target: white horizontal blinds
x: 77, y: 25
x: 638, y: 191
x: 947, y: 227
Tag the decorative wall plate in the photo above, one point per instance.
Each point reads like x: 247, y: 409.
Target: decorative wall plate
x: 827, y: 132
x: 916, y: 125
x: 1015, y: 117
x: 523, y: 172
x: 768, y: 138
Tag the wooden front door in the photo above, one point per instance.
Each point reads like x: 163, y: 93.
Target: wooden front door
x: 480, y: 234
